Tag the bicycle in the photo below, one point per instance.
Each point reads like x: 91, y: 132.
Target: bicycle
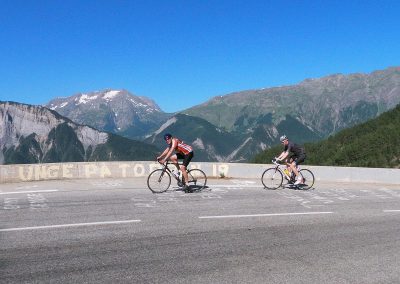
x: 159, y: 180
x: 272, y: 178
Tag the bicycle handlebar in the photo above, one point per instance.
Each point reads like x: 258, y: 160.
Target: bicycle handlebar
x: 275, y: 162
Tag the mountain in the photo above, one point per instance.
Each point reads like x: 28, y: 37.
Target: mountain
x: 253, y: 120
x: 322, y: 106
x: 209, y: 142
x: 116, y: 111
x: 370, y: 144
x: 35, y: 134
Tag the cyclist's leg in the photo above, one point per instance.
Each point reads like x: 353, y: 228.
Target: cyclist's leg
x: 300, y: 159
x: 174, y: 160
x: 293, y: 165
x: 297, y: 161
x: 186, y: 160
x: 289, y: 162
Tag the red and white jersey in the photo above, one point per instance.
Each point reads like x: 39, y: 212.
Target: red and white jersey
x: 182, y: 147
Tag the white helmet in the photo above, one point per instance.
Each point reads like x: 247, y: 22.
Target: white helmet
x: 283, y: 138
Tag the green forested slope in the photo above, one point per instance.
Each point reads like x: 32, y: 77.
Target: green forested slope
x: 375, y: 143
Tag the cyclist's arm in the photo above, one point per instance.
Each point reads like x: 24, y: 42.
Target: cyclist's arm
x: 163, y: 153
x: 283, y: 155
x: 170, y: 150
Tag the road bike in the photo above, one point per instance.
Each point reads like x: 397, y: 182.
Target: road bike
x: 272, y: 178
x: 159, y: 180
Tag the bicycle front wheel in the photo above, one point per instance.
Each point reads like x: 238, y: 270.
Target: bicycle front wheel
x: 272, y: 178
x: 159, y: 181
x: 197, y: 179
x: 308, y: 179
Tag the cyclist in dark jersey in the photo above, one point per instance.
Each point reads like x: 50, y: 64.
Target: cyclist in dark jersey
x: 297, y: 156
x: 182, y: 151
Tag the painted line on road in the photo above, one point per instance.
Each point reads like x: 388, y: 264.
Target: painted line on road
x: 391, y: 211
x: 30, y: 191
x: 69, y: 225
x: 233, y: 185
x: 263, y: 215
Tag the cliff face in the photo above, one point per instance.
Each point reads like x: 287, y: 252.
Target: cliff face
x: 35, y: 134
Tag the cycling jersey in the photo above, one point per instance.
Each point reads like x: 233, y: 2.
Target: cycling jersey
x: 294, y: 148
x: 182, y: 147
x: 298, y: 153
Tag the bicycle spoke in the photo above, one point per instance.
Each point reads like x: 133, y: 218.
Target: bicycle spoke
x: 308, y: 179
x: 197, y: 179
x: 158, y: 181
x: 272, y: 178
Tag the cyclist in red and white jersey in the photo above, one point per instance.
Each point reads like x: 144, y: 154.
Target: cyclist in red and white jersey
x: 182, y: 151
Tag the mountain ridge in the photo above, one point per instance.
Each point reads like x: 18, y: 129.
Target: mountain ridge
x: 309, y: 111
x: 369, y: 144
x: 116, y: 111
x: 341, y: 91
x: 36, y: 134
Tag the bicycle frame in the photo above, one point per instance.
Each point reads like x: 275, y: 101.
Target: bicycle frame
x: 159, y: 180
x: 272, y: 178
x: 167, y: 169
x: 279, y: 167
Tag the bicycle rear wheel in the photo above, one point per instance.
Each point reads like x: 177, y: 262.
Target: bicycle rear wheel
x: 272, y: 178
x: 159, y: 181
x: 197, y: 179
x: 308, y: 179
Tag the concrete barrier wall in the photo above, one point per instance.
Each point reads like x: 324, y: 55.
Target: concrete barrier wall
x: 99, y: 170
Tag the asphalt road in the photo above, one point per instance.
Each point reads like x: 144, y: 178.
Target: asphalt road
x: 117, y: 231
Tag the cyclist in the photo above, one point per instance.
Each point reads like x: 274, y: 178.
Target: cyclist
x: 298, y: 155
x: 182, y: 151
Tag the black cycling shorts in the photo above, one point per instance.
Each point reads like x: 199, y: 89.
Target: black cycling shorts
x: 186, y: 158
x: 298, y: 159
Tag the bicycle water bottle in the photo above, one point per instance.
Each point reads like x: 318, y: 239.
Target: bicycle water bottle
x: 286, y: 171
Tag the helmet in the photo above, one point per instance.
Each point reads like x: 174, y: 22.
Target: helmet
x: 283, y: 138
x: 167, y: 136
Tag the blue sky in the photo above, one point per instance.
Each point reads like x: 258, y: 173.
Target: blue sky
x: 182, y: 53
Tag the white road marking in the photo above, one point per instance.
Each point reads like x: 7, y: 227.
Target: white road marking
x: 263, y: 215
x: 31, y: 191
x: 391, y: 210
x: 232, y: 185
x: 69, y: 225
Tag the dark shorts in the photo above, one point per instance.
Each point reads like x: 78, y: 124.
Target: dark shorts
x: 298, y: 159
x: 186, y: 158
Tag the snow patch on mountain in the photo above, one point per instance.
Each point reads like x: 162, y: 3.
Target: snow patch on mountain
x: 110, y: 94
x: 84, y: 98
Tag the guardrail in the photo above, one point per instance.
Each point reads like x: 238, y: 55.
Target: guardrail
x: 99, y: 170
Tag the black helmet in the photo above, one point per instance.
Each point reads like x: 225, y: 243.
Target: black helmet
x: 283, y: 138
x: 167, y: 136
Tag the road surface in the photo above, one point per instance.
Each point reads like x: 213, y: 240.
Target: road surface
x: 117, y: 231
